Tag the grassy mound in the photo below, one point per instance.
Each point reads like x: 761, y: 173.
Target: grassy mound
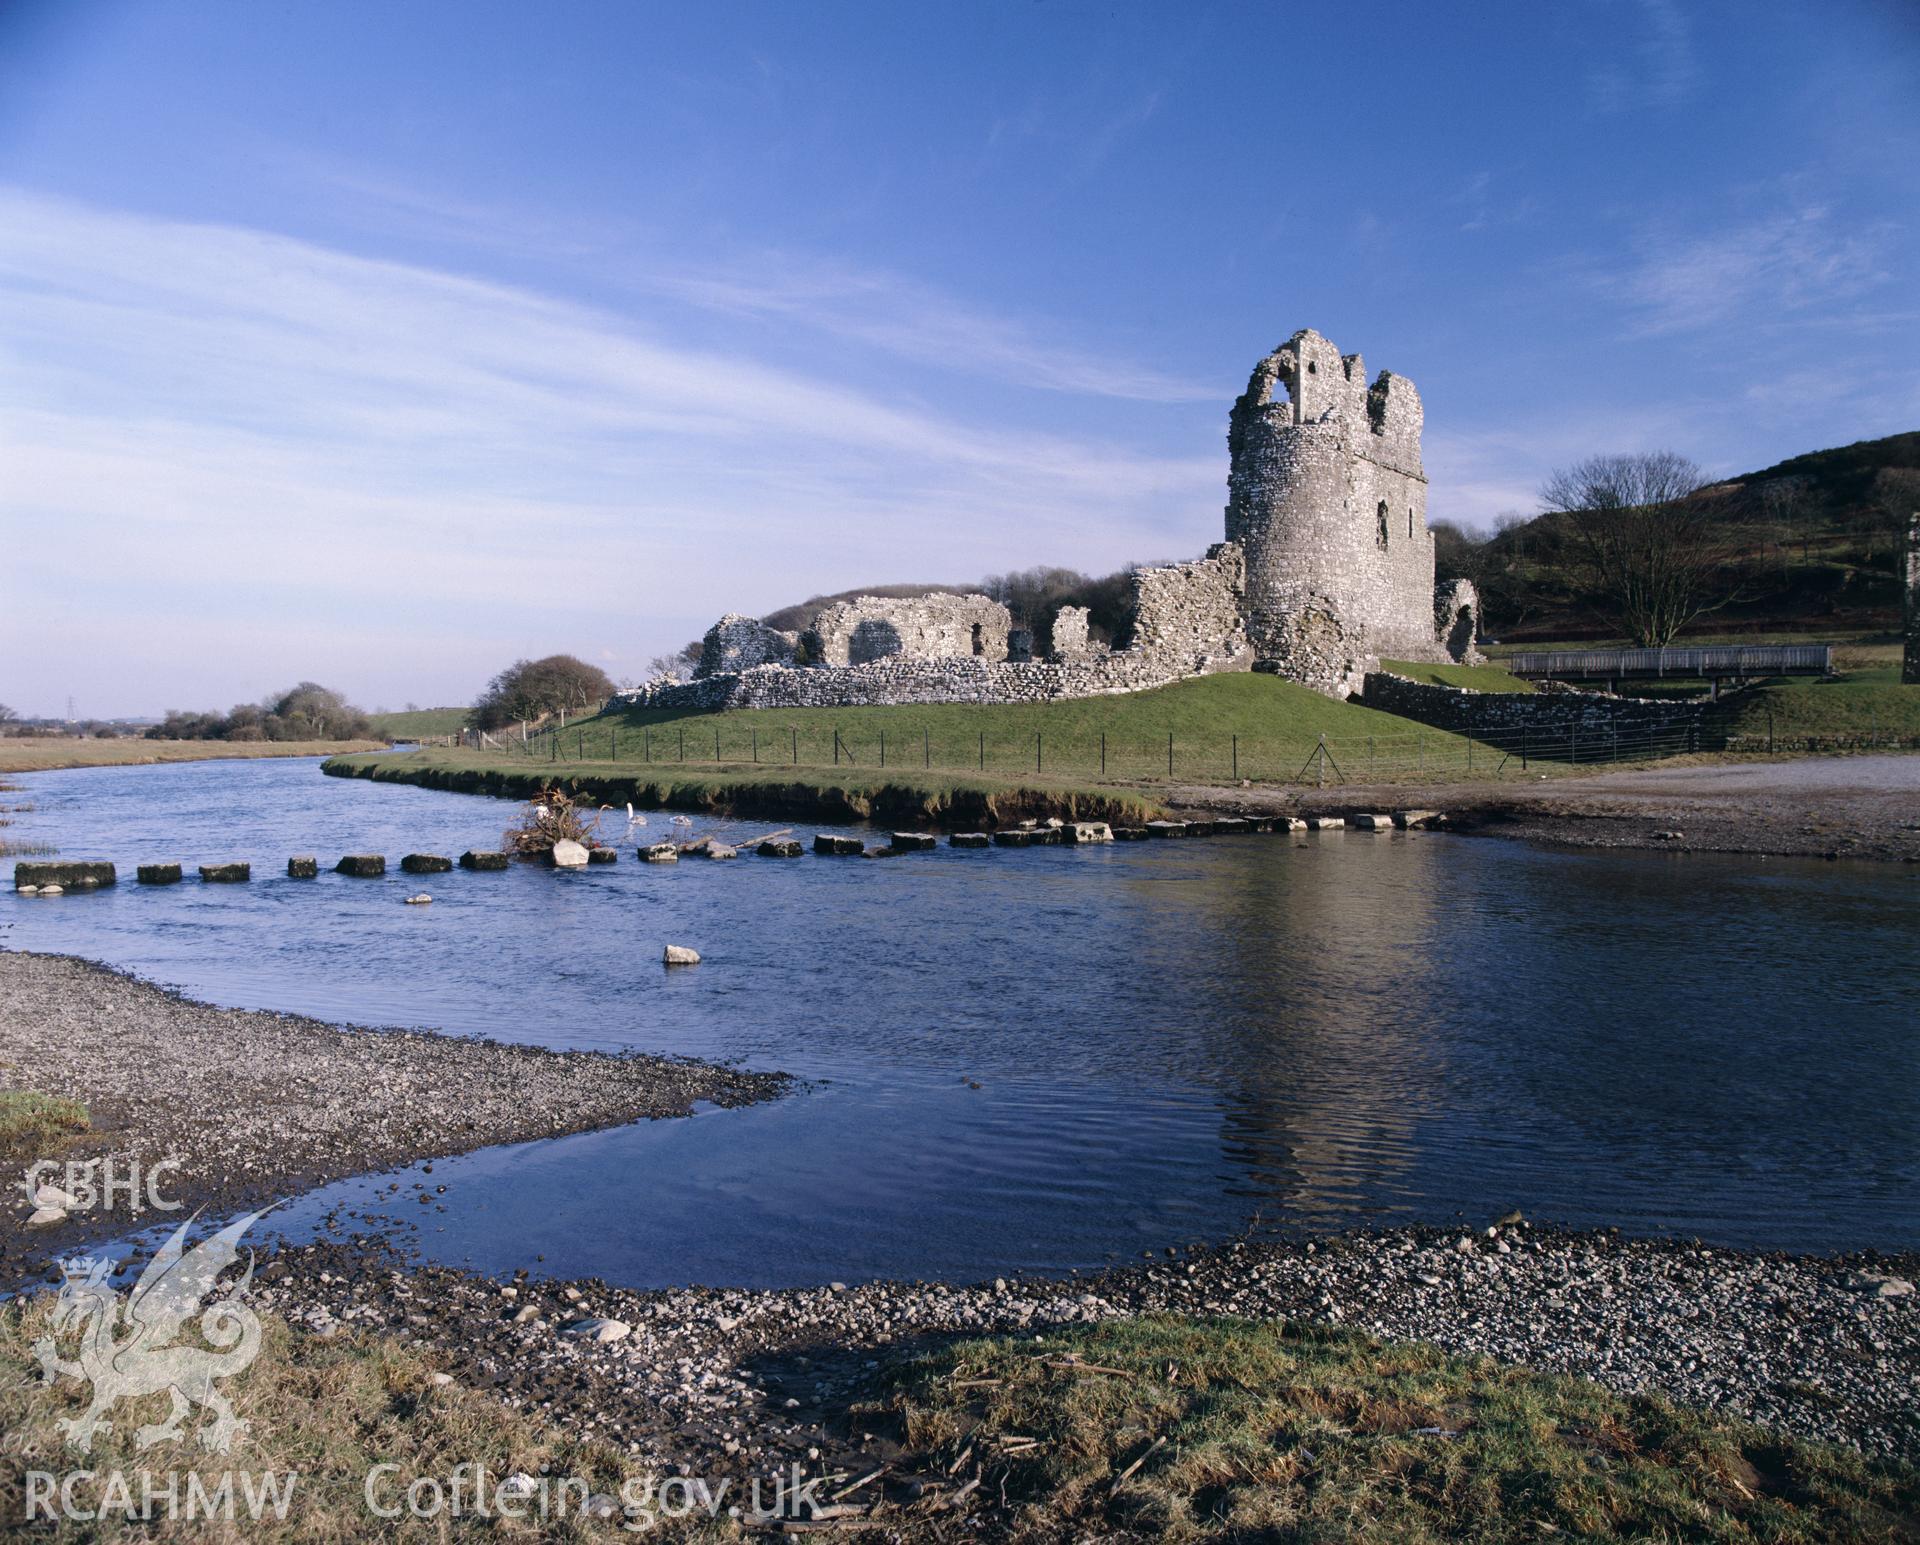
x: 1182, y: 1429
x: 1276, y: 725
x: 1475, y: 678
x: 1865, y: 708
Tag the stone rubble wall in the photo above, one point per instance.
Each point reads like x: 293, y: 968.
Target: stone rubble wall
x: 1189, y: 617
x: 900, y: 680
x: 1070, y: 633
x: 1497, y: 715
x: 737, y: 643
x: 942, y: 626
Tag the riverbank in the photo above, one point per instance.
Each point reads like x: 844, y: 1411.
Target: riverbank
x: 1855, y: 807
x: 22, y: 754
x: 903, y: 798
x: 257, y: 1107
x: 1114, y: 1426
x: 722, y: 1382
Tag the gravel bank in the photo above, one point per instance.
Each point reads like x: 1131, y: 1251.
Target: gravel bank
x: 1814, y: 807
x: 261, y: 1106
x: 728, y: 1382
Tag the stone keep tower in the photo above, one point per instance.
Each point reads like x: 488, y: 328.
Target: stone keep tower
x: 1327, y: 499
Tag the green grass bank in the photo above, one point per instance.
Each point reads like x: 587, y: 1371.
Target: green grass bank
x: 902, y: 798
x: 1213, y: 728
x: 1186, y: 1429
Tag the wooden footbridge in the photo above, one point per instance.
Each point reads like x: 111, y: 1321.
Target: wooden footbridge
x: 1729, y: 662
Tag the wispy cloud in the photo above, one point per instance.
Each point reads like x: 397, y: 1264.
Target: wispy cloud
x: 920, y: 324
x: 210, y: 421
x: 1657, y: 68
x: 1774, y: 269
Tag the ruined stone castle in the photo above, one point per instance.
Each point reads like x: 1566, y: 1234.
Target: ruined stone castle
x: 1327, y: 566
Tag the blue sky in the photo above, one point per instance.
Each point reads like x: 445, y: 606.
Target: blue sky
x: 381, y: 344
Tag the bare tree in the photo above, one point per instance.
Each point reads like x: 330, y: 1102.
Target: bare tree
x: 678, y: 666
x: 1657, y: 556
x: 7, y: 715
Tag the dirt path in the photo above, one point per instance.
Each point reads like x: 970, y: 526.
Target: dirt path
x: 1815, y: 807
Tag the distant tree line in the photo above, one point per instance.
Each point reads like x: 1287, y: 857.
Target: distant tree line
x: 530, y: 690
x: 306, y: 712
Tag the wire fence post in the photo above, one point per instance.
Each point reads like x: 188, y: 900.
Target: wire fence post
x: 1769, y: 731
x: 716, y: 741
x: 1320, y: 764
x: 883, y: 748
x: 1169, y: 753
x: 926, y: 748
x: 836, y: 746
x: 1236, y: 759
x: 756, y: 747
x: 983, y: 751
x: 1036, y: 751
x: 1103, y: 753
x: 796, y: 746
x: 646, y: 744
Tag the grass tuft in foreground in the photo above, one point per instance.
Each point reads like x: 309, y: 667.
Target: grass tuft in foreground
x: 1192, y: 1430
x: 325, y: 1410
x: 32, y: 1125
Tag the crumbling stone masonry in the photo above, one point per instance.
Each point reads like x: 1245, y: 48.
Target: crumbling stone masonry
x: 1328, y: 499
x: 1910, y: 667
x: 942, y: 626
x: 1327, y: 566
x: 737, y: 643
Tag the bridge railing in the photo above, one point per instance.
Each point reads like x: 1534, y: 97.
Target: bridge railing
x: 1699, y: 662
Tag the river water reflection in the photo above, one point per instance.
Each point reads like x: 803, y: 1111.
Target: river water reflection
x: 1054, y: 1057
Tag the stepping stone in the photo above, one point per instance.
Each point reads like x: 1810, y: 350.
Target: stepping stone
x: 913, y: 842
x: 1166, y: 828
x: 838, y: 847
x: 1325, y: 823
x: 226, y: 874
x: 1013, y: 838
x: 969, y: 840
x: 659, y: 853
x: 1130, y: 834
x: 1086, y: 831
x: 603, y: 855
x: 363, y: 866
x: 779, y: 847
x: 680, y: 955
x: 158, y: 874
x: 1373, y: 823
x: 303, y: 867
x: 425, y: 863
x: 64, y: 873
x: 567, y: 854
x: 480, y: 858
x: 1409, y: 820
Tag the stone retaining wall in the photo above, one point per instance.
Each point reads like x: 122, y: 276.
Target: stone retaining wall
x: 1498, y: 716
